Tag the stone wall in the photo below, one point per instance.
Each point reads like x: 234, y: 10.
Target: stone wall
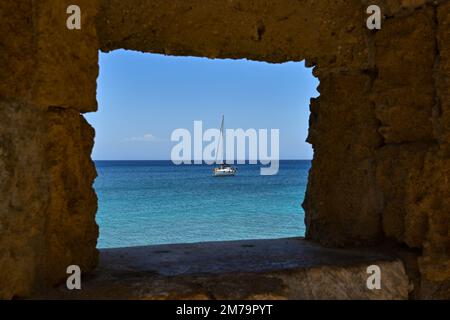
x: 47, y: 208
x: 380, y: 128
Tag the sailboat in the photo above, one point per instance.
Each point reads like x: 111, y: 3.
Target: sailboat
x: 224, y: 170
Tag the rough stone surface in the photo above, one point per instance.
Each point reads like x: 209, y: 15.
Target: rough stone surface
x: 442, y: 77
x: 47, y: 205
x: 273, y: 31
x: 405, y: 64
x: 352, y: 168
x: 380, y: 128
x: 249, y: 269
x: 47, y: 219
x: 43, y: 62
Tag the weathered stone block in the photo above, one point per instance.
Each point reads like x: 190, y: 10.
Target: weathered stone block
x: 327, y: 32
x: 48, y: 204
x: 46, y: 64
x: 71, y: 231
x: 17, y: 49
x: 405, y: 58
x: 24, y: 198
x: 415, y: 183
x: 66, y: 60
x: 344, y: 136
x: 442, y: 110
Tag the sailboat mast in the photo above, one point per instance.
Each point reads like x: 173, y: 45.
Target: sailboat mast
x: 220, y: 138
x: 221, y: 130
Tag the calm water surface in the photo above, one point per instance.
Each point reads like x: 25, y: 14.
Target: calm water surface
x: 156, y: 202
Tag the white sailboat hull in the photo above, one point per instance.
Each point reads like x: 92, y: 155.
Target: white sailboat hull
x: 218, y: 172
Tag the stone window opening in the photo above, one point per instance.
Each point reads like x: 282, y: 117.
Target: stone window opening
x: 381, y: 143
x: 123, y: 85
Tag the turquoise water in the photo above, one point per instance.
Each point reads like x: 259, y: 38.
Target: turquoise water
x: 156, y: 202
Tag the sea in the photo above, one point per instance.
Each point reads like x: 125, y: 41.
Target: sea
x: 157, y: 202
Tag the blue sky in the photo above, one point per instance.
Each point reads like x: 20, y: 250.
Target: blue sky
x: 144, y: 97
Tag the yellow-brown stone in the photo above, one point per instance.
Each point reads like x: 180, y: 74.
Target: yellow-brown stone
x: 380, y: 128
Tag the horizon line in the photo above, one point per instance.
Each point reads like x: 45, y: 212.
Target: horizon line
x: 191, y: 160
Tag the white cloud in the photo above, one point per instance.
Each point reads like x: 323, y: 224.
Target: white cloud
x: 148, y: 137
